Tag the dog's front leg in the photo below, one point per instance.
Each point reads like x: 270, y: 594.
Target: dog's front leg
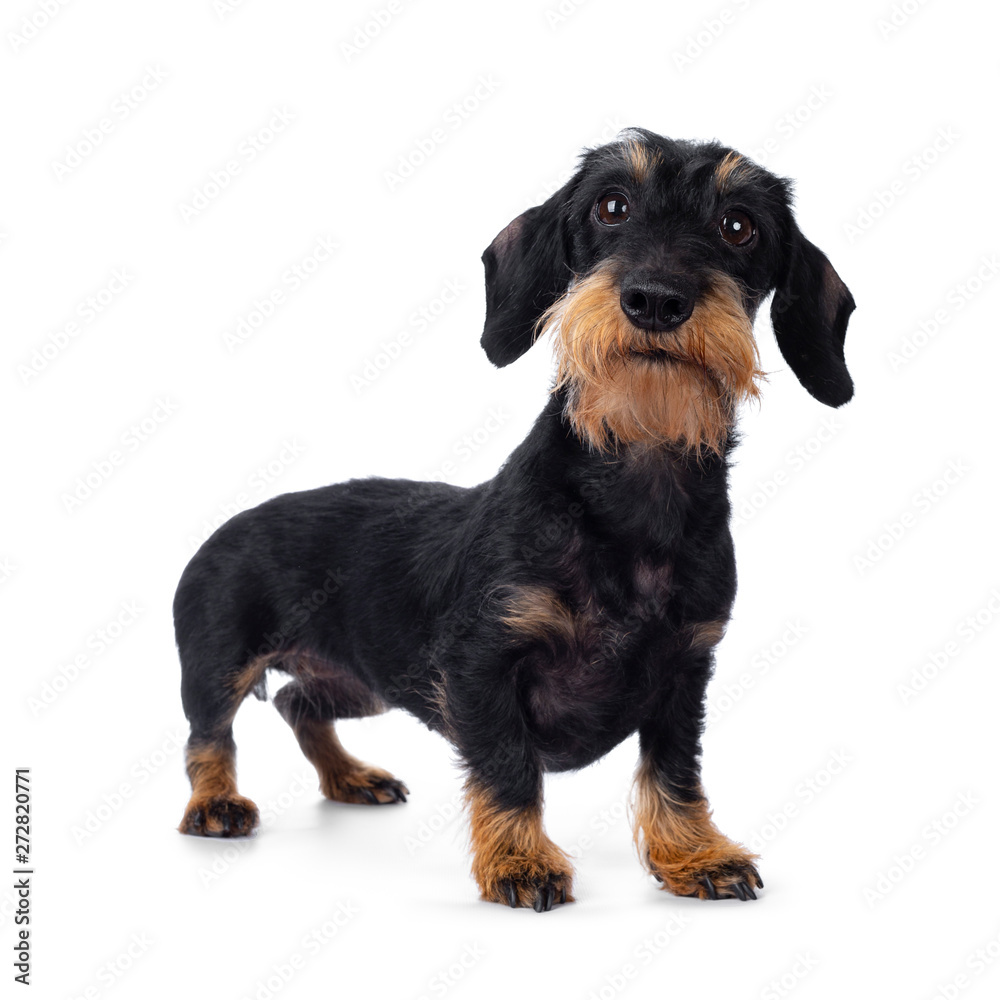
x: 674, y: 832
x: 514, y: 861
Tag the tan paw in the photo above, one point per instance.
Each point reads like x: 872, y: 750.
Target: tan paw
x: 713, y: 873
x: 365, y: 786
x: 220, y: 816
x: 521, y: 881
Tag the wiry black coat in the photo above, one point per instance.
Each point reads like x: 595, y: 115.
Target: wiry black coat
x: 402, y: 583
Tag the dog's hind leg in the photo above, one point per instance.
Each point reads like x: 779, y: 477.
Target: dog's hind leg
x: 211, y: 701
x: 321, y: 693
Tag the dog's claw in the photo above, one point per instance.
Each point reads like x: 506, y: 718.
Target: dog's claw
x: 396, y: 791
x: 710, y: 888
x: 545, y: 897
x: 743, y: 891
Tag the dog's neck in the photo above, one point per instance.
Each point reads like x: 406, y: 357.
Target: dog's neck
x: 633, y: 490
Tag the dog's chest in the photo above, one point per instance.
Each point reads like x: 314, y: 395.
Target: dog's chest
x: 583, y: 676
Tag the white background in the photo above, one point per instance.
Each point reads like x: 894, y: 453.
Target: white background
x: 874, y: 805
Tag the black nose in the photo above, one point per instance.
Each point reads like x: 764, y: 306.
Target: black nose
x: 654, y: 304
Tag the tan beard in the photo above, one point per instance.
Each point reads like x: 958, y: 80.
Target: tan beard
x: 625, y: 386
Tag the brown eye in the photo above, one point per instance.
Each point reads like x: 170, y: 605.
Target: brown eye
x: 737, y: 228
x: 612, y: 209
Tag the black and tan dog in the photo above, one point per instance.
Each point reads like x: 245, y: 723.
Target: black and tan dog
x: 539, y: 619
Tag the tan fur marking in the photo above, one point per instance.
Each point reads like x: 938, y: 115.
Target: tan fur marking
x: 538, y: 613
x: 242, y: 683
x: 212, y: 771
x: 510, y: 846
x: 342, y: 776
x: 616, y: 394
x: 215, y: 806
x: 679, y: 843
x: 706, y: 635
x: 639, y: 159
x: 731, y: 164
x: 439, y: 702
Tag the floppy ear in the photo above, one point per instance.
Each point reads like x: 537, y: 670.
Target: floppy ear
x: 527, y: 269
x: 809, y: 315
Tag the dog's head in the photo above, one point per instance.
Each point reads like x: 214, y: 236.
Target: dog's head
x: 648, y: 267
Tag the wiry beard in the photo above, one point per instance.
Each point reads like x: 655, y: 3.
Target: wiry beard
x: 626, y: 385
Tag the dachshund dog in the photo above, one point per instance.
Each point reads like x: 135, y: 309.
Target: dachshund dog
x: 542, y: 617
